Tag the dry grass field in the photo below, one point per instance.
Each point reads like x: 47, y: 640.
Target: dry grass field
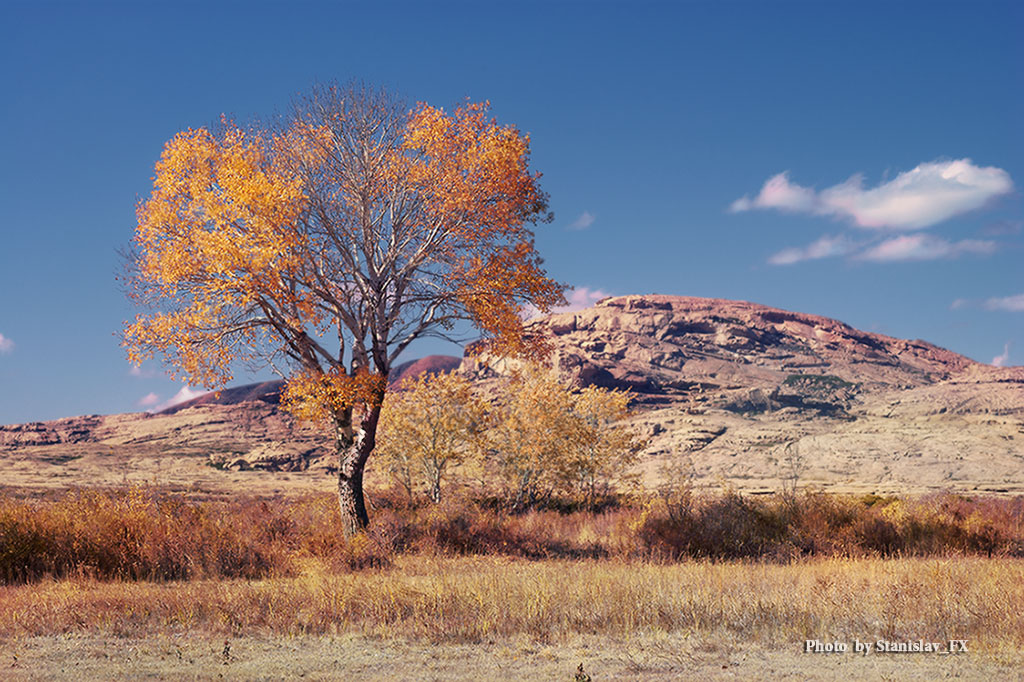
x: 501, y: 618
x: 138, y: 584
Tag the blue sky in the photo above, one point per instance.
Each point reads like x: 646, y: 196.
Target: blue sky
x: 856, y: 160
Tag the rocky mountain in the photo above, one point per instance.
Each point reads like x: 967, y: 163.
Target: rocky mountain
x: 726, y: 391
x: 669, y: 345
x: 759, y: 396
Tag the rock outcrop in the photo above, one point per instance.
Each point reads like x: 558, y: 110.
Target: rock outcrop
x: 755, y: 395
x: 734, y: 392
x: 665, y: 346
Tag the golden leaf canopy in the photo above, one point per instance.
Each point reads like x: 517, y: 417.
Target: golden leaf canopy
x: 348, y: 221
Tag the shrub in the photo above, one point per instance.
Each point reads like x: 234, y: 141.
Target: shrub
x: 142, y: 534
x: 135, y: 535
x: 429, y: 425
x: 549, y: 441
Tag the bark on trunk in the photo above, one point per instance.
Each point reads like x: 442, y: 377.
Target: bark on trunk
x: 352, y: 455
x: 351, y: 502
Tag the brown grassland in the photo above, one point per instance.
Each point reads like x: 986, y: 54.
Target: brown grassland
x: 139, y: 583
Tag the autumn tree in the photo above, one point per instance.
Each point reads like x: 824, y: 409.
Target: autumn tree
x: 323, y: 246
x: 547, y: 438
x: 603, y: 450
x: 532, y: 432
x: 429, y: 425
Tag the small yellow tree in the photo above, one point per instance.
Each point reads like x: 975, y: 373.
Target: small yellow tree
x: 549, y: 438
x: 603, y: 450
x: 430, y: 424
x: 532, y: 434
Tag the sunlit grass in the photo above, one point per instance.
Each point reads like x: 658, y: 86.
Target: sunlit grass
x: 474, y: 599
x: 774, y: 570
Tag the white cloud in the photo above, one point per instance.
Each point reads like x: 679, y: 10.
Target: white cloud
x: 779, y: 193
x: 960, y: 303
x: 1012, y: 303
x: 924, y: 247
x: 825, y: 247
x: 148, y: 400
x: 6, y: 345
x: 185, y: 394
x: 579, y: 298
x: 928, y: 194
x: 585, y: 220
x: 1000, y: 360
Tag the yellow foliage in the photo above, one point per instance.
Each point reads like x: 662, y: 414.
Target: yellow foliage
x: 432, y: 423
x: 217, y: 236
x: 320, y: 396
x: 548, y: 438
x: 356, y: 221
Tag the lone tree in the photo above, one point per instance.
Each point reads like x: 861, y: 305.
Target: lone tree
x: 324, y: 246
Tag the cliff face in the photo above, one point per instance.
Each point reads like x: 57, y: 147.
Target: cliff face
x: 728, y: 390
x: 757, y: 396
x: 670, y: 345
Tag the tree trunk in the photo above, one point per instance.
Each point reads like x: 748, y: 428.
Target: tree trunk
x: 435, y: 489
x: 352, y: 455
x: 351, y: 502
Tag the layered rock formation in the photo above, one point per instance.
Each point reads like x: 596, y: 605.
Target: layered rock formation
x: 663, y: 347
x: 733, y: 392
x: 760, y: 397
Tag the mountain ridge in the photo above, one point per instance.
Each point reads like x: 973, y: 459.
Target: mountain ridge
x: 728, y: 390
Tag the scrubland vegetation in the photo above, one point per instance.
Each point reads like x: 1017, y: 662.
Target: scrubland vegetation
x: 481, y: 534
x: 143, y: 534
x: 660, y: 586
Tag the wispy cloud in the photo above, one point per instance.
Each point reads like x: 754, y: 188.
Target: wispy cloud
x: 929, y: 194
x: 578, y: 299
x: 911, y: 247
x: 185, y: 394
x: 585, y: 220
x: 148, y: 400
x: 1011, y: 303
x: 826, y: 247
x: 920, y: 246
x: 6, y: 345
x: 1001, y: 360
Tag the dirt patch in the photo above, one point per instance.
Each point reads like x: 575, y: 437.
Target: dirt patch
x: 647, y: 657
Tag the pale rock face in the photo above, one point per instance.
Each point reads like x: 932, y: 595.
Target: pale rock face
x: 735, y: 392
x: 754, y: 396
x: 662, y: 345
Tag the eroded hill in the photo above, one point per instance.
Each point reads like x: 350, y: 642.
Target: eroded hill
x: 757, y: 395
x: 732, y: 392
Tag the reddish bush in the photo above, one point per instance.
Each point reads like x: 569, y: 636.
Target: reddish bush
x: 142, y: 534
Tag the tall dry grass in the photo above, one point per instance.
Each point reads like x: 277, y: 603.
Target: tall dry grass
x: 143, y: 534
x: 475, y: 599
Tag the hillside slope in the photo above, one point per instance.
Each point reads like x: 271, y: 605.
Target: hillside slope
x: 758, y: 396
x: 732, y: 392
